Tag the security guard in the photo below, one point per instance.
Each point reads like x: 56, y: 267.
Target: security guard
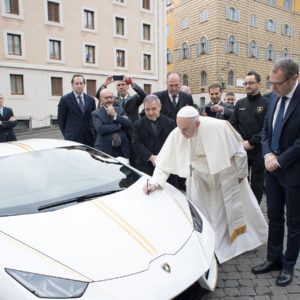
x: 247, y: 118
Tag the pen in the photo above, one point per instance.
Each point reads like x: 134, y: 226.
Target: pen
x: 147, y: 186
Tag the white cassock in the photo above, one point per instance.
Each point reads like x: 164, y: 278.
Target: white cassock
x: 212, y: 161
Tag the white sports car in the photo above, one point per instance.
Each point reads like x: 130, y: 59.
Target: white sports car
x: 75, y: 223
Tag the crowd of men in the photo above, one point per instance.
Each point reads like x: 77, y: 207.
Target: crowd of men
x: 215, y: 155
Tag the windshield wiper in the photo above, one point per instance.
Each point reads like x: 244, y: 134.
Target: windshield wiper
x: 76, y: 199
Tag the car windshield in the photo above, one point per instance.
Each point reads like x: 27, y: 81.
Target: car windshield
x: 41, y: 178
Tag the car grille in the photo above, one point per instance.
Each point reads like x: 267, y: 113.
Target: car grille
x: 194, y: 292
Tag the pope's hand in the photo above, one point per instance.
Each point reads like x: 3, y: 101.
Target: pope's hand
x: 149, y: 187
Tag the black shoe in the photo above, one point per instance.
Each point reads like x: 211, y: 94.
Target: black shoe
x: 267, y: 266
x: 285, y: 277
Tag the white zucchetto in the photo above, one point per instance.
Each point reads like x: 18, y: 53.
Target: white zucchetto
x: 188, y: 112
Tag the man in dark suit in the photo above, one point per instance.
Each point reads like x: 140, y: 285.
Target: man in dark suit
x: 74, y: 113
x: 7, y: 123
x: 111, y: 123
x: 150, y: 133
x: 217, y: 108
x: 281, y: 151
x: 130, y: 103
x: 172, y: 99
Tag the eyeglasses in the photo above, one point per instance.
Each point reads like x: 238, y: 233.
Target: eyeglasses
x: 278, y: 84
x: 108, y: 97
x: 249, y: 83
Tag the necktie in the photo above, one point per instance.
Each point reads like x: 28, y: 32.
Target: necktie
x: 81, y: 103
x: 174, y: 101
x: 123, y: 102
x: 278, y: 125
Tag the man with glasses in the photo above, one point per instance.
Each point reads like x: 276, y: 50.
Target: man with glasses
x: 281, y: 152
x: 247, y: 118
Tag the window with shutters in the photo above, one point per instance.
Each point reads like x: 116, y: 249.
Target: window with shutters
x: 56, y: 86
x: 286, y: 30
x: 53, y: 11
x: 185, y: 51
x: 231, y: 44
x: 253, y: 50
x: 253, y: 20
x: 230, y: 78
x: 285, y: 53
x: 270, y: 53
x: 91, y: 87
x: 271, y: 26
x: 146, y: 62
x: 169, y: 57
x: 287, y: 5
x: 185, y: 23
x: 203, y: 78
x: 146, y: 4
x: 203, y: 45
x: 16, y: 84
x: 232, y: 14
x: 203, y: 16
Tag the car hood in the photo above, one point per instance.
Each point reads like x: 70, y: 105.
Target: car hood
x: 107, y: 237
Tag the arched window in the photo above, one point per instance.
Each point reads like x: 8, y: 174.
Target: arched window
x: 271, y: 26
x: 185, y: 50
x: 288, y: 4
x: 203, y: 78
x: 169, y: 56
x: 185, y: 79
x: 286, y: 30
x: 203, y: 45
x: 185, y: 23
x: 253, y: 50
x: 231, y: 44
x: 230, y: 79
x: 232, y: 14
x: 203, y: 15
x: 270, y: 53
x: 285, y: 53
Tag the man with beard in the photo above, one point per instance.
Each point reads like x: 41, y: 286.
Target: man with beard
x: 247, y: 118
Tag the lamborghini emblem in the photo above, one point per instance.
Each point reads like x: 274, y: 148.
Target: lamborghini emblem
x: 259, y: 109
x: 166, y: 268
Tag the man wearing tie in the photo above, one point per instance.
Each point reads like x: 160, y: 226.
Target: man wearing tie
x: 7, y: 123
x: 172, y: 99
x: 74, y: 113
x: 281, y: 152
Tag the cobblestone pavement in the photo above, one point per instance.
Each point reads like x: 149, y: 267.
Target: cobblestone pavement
x: 235, y: 280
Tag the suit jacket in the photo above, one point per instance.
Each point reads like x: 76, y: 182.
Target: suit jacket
x: 105, y: 127
x: 6, y: 128
x: 167, y: 107
x: 132, y: 102
x: 75, y: 125
x: 289, y: 142
x: 228, y: 109
x: 145, y: 143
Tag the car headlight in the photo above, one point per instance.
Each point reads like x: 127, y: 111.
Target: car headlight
x: 197, y: 221
x: 44, y: 286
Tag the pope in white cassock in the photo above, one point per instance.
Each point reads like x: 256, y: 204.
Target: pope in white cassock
x: 209, y: 153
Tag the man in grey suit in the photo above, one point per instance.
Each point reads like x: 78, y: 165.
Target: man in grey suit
x: 74, y: 113
x: 217, y: 108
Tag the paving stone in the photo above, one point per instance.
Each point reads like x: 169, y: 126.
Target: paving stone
x: 277, y: 290
x: 231, y: 283
x: 293, y: 289
x: 232, y: 292
x: 263, y: 290
x: 246, y: 282
x: 247, y: 291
